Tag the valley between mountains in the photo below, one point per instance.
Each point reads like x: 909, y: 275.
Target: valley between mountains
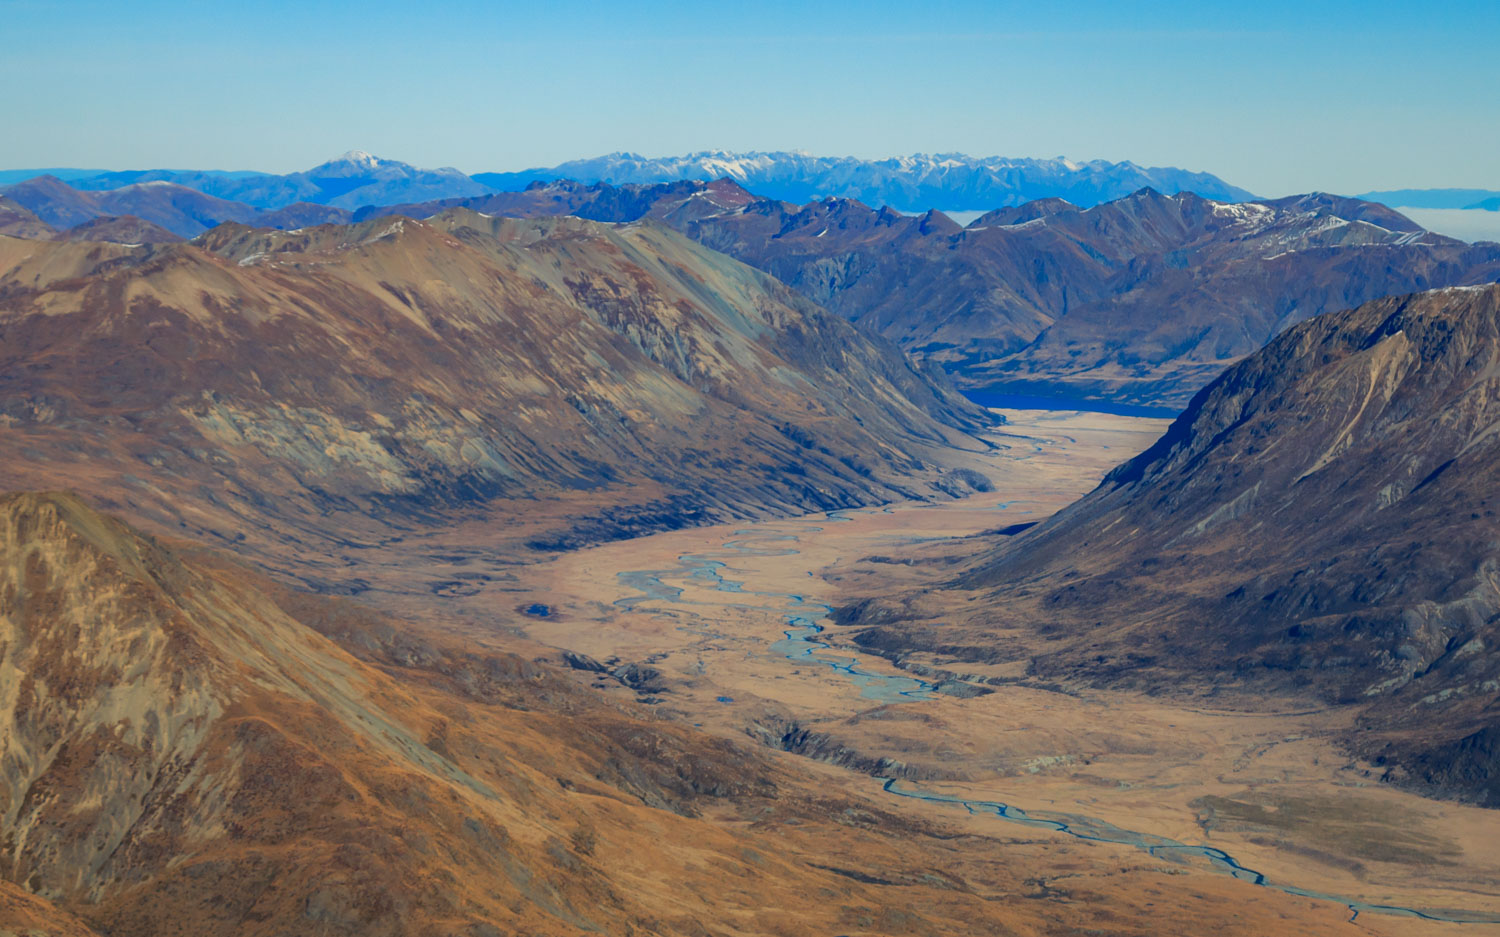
x: 194, y: 748
x: 718, y: 627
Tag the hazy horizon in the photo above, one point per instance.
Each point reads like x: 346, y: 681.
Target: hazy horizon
x: 1285, y: 98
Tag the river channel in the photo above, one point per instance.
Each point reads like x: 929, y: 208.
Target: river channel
x: 804, y: 620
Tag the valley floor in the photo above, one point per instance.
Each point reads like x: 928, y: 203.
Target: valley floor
x: 723, y: 627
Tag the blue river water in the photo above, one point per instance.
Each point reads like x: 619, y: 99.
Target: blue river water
x: 1004, y: 401
x: 800, y: 643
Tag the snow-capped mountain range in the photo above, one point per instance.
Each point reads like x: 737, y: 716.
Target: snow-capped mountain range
x: 951, y: 182
x: 947, y: 181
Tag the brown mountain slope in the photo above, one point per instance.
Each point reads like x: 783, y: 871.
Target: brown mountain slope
x: 1144, y: 299
x: 23, y: 914
x: 182, y: 757
x: 181, y: 754
x: 1321, y: 519
x: 306, y: 394
x: 19, y: 222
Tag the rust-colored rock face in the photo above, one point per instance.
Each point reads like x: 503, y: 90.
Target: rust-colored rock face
x: 294, y: 391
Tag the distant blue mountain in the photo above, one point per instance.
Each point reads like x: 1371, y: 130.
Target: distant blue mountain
x: 350, y: 181
x: 12, y: 176
x: 1432, y: 198
x: 951, y: 181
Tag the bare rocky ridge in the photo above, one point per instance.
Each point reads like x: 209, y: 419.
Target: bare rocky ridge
x: 1141, y: 300
x: 562, y: 382
x: 1320, y: 520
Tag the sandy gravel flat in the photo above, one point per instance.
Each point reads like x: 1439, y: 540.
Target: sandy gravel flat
x: 1265, y: 786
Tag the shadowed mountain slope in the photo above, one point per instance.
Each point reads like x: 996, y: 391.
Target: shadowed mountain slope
x: 186, y: 750
x: 1322, y: 519
x: 1141, y: 300
x: 121, y: 229
x: 565, y: 380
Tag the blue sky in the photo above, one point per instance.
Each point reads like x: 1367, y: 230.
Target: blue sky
x: 1274, y: 96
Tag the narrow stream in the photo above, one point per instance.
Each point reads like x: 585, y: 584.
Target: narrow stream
x: 801, y: 644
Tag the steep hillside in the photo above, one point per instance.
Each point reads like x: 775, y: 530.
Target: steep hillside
x: 560, y: 381
x: 1141, y: 300
x: 1321, y: 520
x: 23, y: 913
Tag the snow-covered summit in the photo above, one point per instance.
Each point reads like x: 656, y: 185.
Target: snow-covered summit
x: 952, y: 181
x: 358, y: 158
